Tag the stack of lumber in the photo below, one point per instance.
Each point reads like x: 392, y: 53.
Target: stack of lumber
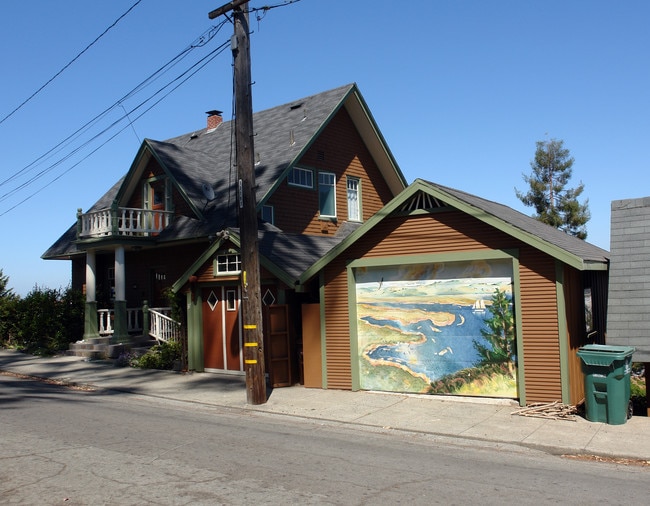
x: 553, y: 410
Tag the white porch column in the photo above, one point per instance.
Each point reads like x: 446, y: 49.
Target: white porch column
x: 120, y: 282
x: 120, y: 326
x: 91, y: 329
x: 91, y: 277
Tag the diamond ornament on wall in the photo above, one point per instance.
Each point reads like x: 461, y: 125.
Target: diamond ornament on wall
x: 268, y: 298
x: 213, y: 300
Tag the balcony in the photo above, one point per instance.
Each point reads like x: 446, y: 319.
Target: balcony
x: 122, y: 221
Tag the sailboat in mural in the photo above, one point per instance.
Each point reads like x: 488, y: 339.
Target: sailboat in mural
x: 479, y: 306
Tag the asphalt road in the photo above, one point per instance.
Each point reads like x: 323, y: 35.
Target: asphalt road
x: 64, y: 446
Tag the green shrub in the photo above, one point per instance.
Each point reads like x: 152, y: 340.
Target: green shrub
x: 160, y: 356
x: 638, y: 390
x: 44, y: 322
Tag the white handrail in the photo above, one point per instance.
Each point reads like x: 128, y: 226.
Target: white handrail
x: 163, y: 328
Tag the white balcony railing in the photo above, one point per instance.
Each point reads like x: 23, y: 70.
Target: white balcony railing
x: 133, y: 320
x: 122, y: 221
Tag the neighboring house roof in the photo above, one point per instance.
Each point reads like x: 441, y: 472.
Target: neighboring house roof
x: 560, y: 245
x: 282, y: 135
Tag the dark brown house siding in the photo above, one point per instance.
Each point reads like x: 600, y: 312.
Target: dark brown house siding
x: 340, y: 150
x: 79, y: 273
x: 448, y: 232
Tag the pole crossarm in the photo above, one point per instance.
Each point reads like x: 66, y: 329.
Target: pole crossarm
x: 226, y: 8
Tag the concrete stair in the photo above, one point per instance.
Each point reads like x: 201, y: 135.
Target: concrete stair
x: 101, y: 348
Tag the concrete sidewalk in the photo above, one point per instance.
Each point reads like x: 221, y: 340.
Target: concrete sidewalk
x: 486, y: 420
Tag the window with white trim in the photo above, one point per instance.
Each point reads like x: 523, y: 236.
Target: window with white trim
x: 231, y: 300
x: 227, y: 264
x: 327, y: 194
x: 354, y: 205
x: 301, y: 177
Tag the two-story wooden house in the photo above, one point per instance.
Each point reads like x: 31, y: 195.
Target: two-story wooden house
x: 322, y: 168
x: 366, y: 283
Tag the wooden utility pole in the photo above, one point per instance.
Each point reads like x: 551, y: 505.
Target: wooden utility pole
x: 251, y: 305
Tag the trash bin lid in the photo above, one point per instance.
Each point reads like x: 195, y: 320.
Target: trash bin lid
x: 602, y: 354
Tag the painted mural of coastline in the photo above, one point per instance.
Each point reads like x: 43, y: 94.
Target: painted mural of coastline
x: 419, y: 333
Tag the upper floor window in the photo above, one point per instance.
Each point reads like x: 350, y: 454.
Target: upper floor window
x: 228, y: 264
x: 354, y: 207
x: 301, y: 177
x: 267, y: 214
x: 157, y: 194
x: 327, y: 194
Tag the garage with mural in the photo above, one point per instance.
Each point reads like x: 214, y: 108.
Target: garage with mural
x: 444, y: 328
x: 443, y: 292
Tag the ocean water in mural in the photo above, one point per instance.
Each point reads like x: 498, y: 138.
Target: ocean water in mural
x: 433, y: 328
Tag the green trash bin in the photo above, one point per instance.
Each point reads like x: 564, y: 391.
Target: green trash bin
x: 607, y: 382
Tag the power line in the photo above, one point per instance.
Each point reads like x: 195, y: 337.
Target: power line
x: 201, y: 41
x: 69, y: 63
x: 203, y: 62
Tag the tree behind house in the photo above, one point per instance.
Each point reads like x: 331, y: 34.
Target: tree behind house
x: 554, y: 203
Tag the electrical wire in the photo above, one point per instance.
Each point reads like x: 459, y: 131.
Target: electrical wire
x: 204, y: 61
x: 200, y: 64
x: 200, y: 41
x: 69, y: 63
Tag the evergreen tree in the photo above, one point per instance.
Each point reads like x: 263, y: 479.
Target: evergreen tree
x: 5, y: 291
x: 555, y: 204
x: 8, y: 301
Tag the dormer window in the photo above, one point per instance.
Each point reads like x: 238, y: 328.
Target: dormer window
x: 227, y: 264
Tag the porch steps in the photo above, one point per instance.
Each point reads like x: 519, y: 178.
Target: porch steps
x: 93, y: 349
x: 101, y: 348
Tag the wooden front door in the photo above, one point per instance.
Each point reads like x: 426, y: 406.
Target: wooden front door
x: 278, y: 354
x: 155, y: 196
x: 221, y: 329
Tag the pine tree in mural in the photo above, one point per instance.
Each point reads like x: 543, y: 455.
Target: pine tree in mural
x: 500, y: 334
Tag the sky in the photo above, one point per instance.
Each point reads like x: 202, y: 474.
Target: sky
x: 461, y: 91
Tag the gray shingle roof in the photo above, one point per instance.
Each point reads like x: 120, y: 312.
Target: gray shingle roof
x: 569, y: 243
x: 282, y: 134
x: 560, y: 245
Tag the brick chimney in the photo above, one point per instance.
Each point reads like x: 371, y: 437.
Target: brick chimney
x: 214, y: 120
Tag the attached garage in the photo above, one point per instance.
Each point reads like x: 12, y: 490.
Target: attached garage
x: 443, y: 292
